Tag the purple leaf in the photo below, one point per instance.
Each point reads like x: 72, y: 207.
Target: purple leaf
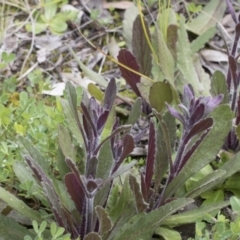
x: 59, y: 213
x: 197, y: 114
x: 144, y: 188
x: 125, y: 57
x: 191, y: 151
x: 89, y: 119
x: 199, y: 127
x: 151, y: 156
x: 115, y: 132
x: 128, y: 146
x: 175, y: 113
x: 110, y: 94
x: 102, y: 120
x: 75, y: 190
x: 188, y: 95
x: 233, y: 69
x: 213, y: 103
x: 74, y: 169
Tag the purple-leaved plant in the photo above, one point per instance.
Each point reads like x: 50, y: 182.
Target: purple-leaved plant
x: 233, y: 81
x: 196, y: 126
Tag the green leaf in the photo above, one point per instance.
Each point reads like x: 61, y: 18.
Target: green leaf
x: 10, y: 229
x: 140, y: 203
x: 57, y: 25
x: 95, y: 92
x: 50, y: 9
x: 104, y: 220
x: 168, y: 233
x: 72, y: 124
x: 105, y: 161
x: 136, y: 228
x: 219, y: 86
x: 160, y: 94
x: 90, y: 73
x: 36, y: 27
x: 164, y: 143
x: 19, y: 205
x: 35, y: 154
x: 202, y: 39
x: 235, y: 204
x: 8, y: 57
x: 65, y: 142
x: 123, y: 210
x: 185, y: 62
x: 164, y: 57
x: 194, y: 215
x: 211, y: 14
x: 135, y: 112
x: 129, y: 17
x: 205, y: 184
x: 92, y: 236
x: 22, y: 173
x: 208, y: 148
x: 140, y: 46
x: 172, y: 39
x: 232, y: 184
x: 231, y: 166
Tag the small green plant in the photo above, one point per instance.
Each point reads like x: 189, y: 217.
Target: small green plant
x: 51, y: 19
x: 5, y: 59
x: 57, y: 233
x: 222, y: 228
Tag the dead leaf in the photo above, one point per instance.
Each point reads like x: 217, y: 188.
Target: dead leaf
x: 214, y: 56
x: 118, y: 5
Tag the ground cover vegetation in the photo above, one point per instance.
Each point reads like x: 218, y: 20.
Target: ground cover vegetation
x: 119, y: 120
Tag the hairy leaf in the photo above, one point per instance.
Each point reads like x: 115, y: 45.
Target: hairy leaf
x: 135, y: 228
x: 128, y: 146
x: 219, y: 86
x: 140, y: 46
x: 65, y: 143
x: 135, y: 112
x: 184, y: 60
x: 205, y: 184
x: 172, y: 38
x: 75, y: 190
x: 208, y: 148
x: 10, y: 229
x: 104, y: 220
x: 19, y: 205
x: 35, y: 154
x: 192, y: 215
x: 151, y: 156
x: 110, y: 95
x: 164, y: 57
x: 140, y: 202
x: 123, y: 210
x: 92, y: 236
x: 72, y: 123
